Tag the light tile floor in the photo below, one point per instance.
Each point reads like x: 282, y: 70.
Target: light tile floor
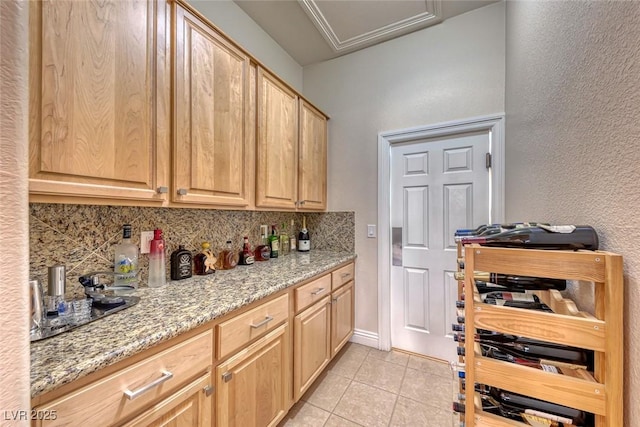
x: 366, y: 387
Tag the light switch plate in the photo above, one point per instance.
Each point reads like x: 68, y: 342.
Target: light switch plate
x: 371, y: 231
x: 145, y: 241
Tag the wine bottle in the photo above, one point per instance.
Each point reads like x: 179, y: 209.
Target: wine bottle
x: 126, y: 260
x: 292, y: 238
x: 514, y: 282
x: 513, y: 405
x: 285, y: 245
x: 304, y: 242
x: 157, y: 268
x: 516, y: 300
x: 541, y: 237
x: 274, y: 242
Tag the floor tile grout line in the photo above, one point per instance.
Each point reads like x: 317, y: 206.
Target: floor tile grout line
x: 395, y: 404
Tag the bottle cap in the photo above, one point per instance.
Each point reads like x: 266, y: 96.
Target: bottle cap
x: 157, y: 233
x: 205, y: 245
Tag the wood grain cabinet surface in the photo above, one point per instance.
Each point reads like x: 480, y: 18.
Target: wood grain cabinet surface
x: 190, y: 407
x: 212, y: 146
x: 342, y: 317
x: 312, y: 182
x: 98, y: 122
x: 291, y: 151
x: 118, y: 396
x: 311, y: 345
x: 253, y: 388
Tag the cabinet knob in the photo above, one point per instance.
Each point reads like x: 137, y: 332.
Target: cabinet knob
x: 301, y: 202
x: 162, y: 190
x: 227, y: 376
x: 208, y: 390
x: 182, y: 191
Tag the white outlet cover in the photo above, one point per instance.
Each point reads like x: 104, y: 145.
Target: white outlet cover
x: 145, y: 241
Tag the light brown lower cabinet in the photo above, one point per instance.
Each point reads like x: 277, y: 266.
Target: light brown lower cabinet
x: 311, y: 345
x: 251, y: 387
x: 192, y: 406
x: 342, y: 317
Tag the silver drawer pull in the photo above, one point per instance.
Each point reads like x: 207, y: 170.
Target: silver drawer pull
x: 264, y: 322
x: 166, y: 376
x: 345, y: 275
x: 317, y: 291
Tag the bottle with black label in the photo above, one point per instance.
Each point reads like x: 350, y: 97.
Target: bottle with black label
x: 304, y: 242
x: 181, y: 264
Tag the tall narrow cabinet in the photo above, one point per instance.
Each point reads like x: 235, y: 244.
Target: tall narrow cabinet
x: 212, y: 144
x: 599, y: 392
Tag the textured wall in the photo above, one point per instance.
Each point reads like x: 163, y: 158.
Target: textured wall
x: 573, y: 135
x: 14, y: 351
x: 453, y: 70
x: 83, y: 237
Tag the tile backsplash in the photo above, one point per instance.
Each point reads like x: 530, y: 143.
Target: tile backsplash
x: 83, y: 237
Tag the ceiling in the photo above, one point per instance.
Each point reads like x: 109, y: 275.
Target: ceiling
x: 316, y: 30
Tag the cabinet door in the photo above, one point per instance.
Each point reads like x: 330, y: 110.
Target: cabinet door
x: 311, y: 345
x: 98, y: 95
x: 312, y: 183
x: 213, y: 157
x: 253, y: 387
x: 190, y: 407
x: 342, y: 317
x: 277, y: 147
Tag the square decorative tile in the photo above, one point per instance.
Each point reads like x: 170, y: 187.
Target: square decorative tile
x: 390, y: 356
x: 348, y: 360
x: 305, y: 415
x: 431, y: 366
x: 427, y: 388
x: 412, y: 414
x: 381, y: 374
x: 336, y: 421
x: 366, y: 405
x: 327, y: 391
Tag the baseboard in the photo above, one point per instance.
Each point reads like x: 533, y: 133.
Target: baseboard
x: 370, y: 339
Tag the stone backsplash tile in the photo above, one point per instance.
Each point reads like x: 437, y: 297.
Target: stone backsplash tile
x: 83, y: 237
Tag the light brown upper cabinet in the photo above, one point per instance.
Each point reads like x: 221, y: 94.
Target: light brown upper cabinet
x: 312, y: 183
x: 277, y: 146
x: 98, y: 122
x: 291, y: 149
x: 213, y: 157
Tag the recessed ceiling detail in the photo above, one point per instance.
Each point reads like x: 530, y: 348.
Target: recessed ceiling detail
x: 375, y: 21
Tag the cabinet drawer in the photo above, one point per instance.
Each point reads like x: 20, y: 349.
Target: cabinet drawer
x: 342, y: 276
x: 238, y: 331
x: 312, y: 292
x: 109, y: 400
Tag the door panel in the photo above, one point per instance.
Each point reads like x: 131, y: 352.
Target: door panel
x: 437, y: 186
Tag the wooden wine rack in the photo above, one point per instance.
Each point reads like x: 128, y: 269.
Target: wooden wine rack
x: 599, y: 392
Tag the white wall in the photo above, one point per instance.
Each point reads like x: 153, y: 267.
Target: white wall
x: 235, y: 23
x: 454, y: 70
x: 14, y: 217
x: 573, y: 134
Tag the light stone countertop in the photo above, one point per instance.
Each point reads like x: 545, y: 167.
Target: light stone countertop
x: 165, y: 313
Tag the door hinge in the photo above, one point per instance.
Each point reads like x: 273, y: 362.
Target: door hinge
x: 488, y: 160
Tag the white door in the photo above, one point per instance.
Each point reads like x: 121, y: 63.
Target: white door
x: 437, y: 186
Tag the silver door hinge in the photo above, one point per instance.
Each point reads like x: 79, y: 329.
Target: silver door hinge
x: 488, y: 160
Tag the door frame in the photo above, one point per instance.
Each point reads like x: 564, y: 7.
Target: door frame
x: 494, y: 124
